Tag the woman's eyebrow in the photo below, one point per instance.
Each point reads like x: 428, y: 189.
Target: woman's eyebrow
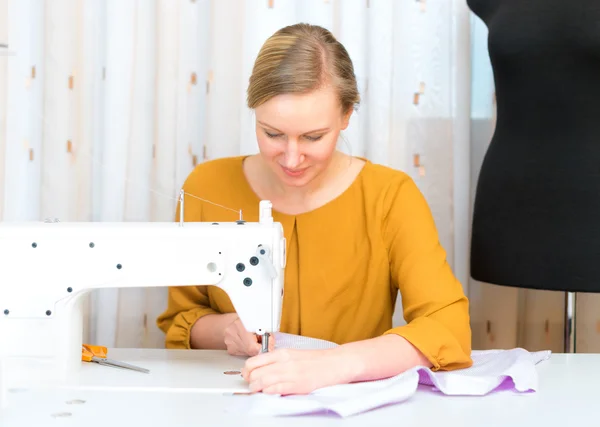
x: 268, y: 126
x: 275, y: 129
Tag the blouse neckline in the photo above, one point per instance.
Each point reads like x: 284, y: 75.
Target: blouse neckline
x: 254, y: 198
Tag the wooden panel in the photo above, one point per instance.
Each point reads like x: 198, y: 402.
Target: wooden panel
x: 541, y: 320
x: 494, y: 315
x: 588, y: 323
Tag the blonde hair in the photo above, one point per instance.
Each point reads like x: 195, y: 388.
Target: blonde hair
x: 301, y: 58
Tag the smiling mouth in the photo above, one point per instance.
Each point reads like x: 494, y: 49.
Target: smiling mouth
x: 293, y: 172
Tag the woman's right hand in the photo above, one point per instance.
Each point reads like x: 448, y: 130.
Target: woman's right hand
x: 240, y: 342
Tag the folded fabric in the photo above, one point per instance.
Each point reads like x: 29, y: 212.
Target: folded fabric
x: 299, y: 342
x: 493, y: 370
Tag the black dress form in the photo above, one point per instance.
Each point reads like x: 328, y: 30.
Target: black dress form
x: 536, y: 219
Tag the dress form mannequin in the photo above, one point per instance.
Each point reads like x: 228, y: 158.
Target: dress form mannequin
x: 536, y: 218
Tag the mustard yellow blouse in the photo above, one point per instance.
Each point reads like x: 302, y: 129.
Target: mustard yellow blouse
x: 347, y: 260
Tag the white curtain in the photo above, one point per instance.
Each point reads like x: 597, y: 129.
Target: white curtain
x: 107, y: 105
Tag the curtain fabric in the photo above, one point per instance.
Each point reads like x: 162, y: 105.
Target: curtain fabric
x: 107, y: 105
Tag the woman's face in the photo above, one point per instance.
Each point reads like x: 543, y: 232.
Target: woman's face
x: 298, y: 133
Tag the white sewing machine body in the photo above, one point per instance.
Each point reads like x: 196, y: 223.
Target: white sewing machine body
x: 48, y: 267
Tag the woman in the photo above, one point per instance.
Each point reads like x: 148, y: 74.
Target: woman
x: 357, y: 234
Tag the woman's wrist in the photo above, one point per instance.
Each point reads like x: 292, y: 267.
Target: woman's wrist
x: 208, y: 332
x: 347, y: 365
x: 375, y: 358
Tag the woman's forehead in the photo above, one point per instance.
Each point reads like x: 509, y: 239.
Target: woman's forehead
x: 302, y: 112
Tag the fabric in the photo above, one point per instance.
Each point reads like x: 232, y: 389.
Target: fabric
x: 346, y: 262
x: 493, y: 370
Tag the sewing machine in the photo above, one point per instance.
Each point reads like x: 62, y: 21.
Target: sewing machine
x: 48, y: 266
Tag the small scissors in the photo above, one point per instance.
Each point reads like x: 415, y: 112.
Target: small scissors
x: 96, y: 353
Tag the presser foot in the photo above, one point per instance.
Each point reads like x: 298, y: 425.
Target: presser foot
x: 265, y: 343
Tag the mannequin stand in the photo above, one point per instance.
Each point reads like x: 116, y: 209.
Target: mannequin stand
x: 570, y: 322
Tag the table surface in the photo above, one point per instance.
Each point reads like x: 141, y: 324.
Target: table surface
x: 189, y: 387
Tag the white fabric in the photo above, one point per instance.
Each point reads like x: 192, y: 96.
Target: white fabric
x: 298, y: 342
x: 493, y: 370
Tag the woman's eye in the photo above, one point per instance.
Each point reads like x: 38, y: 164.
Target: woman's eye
x: 314, y: 138
x: 279, y: 135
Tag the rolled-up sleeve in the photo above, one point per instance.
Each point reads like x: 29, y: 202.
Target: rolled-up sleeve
x: 434, y: 305
x: 186, y: 304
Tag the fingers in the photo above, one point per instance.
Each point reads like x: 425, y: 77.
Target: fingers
x: 272, y: 379
x: 281, y: 388
x: 249, y: 343
x: 243, y: 343
x: 261, y: 360
x: 258, y: 348
x: 238, y: 341
x: 230, y: 344
x: 253, y: 349
x: 265, y: 377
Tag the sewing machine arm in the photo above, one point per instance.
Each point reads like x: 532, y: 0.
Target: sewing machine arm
x: 47, y: 267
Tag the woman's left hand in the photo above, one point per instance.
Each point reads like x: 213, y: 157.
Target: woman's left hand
x: 288, y: 371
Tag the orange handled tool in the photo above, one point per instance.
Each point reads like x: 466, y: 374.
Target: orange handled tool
x: 97, y: 354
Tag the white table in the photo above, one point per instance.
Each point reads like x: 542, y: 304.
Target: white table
x: 188, y: 388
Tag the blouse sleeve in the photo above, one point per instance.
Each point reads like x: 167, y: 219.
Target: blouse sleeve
x: 185, y: 304
x: 435, y: 307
